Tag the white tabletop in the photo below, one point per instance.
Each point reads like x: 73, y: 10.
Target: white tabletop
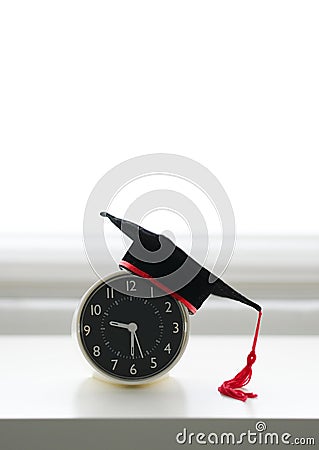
x: 44, y: 377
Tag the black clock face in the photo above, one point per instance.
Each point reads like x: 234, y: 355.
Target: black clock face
x: 128, y: 332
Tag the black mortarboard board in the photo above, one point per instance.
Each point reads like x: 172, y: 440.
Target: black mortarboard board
x: 156, y: 257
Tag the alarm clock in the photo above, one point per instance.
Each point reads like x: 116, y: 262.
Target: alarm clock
x: 132, y: 327
x: 130, y: 331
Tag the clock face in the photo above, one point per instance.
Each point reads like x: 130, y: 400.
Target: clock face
x: 129, y: 330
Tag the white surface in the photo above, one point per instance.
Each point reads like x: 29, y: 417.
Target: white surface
x: 43, y: 377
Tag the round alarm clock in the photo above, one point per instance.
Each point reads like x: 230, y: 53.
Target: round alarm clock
x: 130, y: 331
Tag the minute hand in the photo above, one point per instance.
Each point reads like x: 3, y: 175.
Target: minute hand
x: 132, y: 343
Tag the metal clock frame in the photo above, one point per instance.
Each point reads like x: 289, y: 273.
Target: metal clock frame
x: 97, y: 371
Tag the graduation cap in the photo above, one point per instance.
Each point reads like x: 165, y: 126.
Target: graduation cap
x: 156, y: 257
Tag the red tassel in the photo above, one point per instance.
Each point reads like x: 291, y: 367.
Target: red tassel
x: 231, y: 388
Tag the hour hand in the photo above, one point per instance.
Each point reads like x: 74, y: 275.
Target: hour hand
x: 119, y: 324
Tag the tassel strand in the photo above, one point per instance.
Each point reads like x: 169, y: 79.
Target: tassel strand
x: 231, y: 388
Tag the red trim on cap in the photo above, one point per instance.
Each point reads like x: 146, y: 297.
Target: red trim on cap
x: 140, y: 273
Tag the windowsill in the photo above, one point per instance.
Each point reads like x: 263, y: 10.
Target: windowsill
x: 48, y: 380
x: 42, y: 279
x: 276, y: 267
x: 217, y: 316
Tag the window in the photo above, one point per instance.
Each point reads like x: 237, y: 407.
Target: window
x: 84, y: 87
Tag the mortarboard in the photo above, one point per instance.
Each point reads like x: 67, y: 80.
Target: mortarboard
x: 156, y: 257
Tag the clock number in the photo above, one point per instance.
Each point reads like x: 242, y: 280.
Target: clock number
x: 153, y: 363
x: 176, y: 327
x: 169, y: 307
x: 87, y: 329
x: 114, y: 361
x: 133, y: 370
x: 109, y: 292
x: 96, y: 310
x: 96, y: 350
x: 168, y: 348
x: 130, y: 285
x: 152, y: 291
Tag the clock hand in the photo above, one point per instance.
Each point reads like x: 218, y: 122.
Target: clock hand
x: 138, y: 344
x: 132, y: 343
x: 131, y: 327
x: 119, y: 324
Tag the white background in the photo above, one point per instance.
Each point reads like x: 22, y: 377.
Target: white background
x: 85, y: 85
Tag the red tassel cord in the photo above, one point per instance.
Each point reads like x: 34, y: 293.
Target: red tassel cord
x: 231, y: 388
